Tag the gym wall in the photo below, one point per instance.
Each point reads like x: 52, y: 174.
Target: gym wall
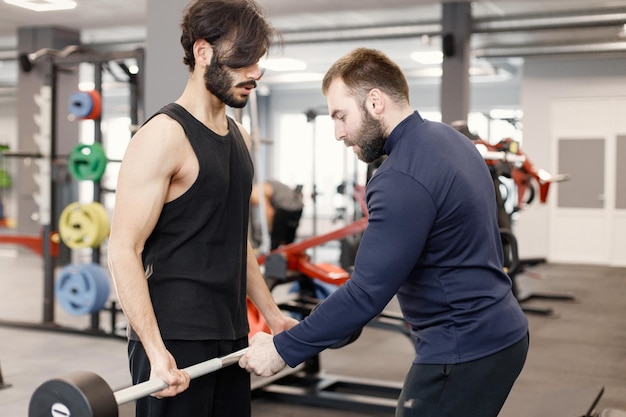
x: 166, y: 75
x: 575, y: 99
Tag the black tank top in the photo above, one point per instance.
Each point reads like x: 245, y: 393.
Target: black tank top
x: 195, y: 258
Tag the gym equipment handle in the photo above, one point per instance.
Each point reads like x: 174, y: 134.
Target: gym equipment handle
x: 155, y: 385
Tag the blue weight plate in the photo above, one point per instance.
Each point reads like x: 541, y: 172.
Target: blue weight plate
x: 80, y: 104
x: 82, y: 289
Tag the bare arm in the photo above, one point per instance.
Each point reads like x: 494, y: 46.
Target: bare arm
x: 262, y: 342
x: 256, y: 287
x: 260, y: 295
x: 146, y: 181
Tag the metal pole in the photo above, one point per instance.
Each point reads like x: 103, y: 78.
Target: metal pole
x: 48, y: 218
x: 260, y: 172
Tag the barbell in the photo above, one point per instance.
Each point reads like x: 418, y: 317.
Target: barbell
x: 86, y: 394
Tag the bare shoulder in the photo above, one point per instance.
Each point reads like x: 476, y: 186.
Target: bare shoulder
x: 158, y: 143
x: 161, y: 129
x: 245, y: 134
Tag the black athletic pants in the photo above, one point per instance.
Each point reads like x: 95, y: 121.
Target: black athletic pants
x: 225, y: 392
x: 473, y: 389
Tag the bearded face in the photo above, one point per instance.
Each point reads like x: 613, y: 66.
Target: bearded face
x: 354, y: 125
x: 369, y: 138
x: 220, y: 81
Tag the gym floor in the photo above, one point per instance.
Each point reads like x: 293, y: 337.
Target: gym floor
x: 575, y: 352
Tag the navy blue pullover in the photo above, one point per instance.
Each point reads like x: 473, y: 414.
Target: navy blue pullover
x: 432, y: 239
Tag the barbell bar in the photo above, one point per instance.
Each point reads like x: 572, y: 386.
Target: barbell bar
x: 155, y: 385
x: 86, y: 394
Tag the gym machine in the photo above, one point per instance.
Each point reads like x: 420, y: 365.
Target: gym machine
x: 506, y: 159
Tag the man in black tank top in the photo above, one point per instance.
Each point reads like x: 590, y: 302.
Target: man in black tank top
x: 178, y: 249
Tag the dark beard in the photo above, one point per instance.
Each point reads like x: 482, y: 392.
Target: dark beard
x: 370, y: 139
x: 220, y: 83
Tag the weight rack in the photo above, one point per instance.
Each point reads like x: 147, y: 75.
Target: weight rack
x: 52, y: 63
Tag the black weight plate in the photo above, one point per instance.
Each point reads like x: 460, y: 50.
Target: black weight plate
x: 81, y: 394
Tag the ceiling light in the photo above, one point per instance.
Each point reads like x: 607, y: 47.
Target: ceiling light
x: 426, y: 73
x: 283, y: 64
x: 478, y: 70
x: 296, y: 77
x: 427, y: 57
x: 503, y: 114
x: 43, y: 5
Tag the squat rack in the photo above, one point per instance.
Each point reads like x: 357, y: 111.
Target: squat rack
x: 55, y: 62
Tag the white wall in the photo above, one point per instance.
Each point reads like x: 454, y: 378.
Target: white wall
x: 546, y: 80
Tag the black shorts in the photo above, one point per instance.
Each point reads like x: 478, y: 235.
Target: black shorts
x: 471, y: 389
x: 225, y: 392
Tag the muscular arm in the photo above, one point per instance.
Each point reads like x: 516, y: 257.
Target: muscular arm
x: 256, y: 287
x: 261, y: 297
x: 149, y: 175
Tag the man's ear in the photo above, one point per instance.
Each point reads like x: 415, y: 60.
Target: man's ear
x: 203, y: 52
x: 375, y: 102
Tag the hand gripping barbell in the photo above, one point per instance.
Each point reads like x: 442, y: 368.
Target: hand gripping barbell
x: 86, y: 394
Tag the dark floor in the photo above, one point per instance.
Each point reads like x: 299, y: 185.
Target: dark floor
x: 574, y: 352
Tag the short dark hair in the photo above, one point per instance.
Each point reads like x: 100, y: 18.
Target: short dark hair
x: 236, y: 29
x: 364, y: 69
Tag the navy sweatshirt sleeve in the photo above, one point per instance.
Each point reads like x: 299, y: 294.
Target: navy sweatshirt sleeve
x: 382, y: 264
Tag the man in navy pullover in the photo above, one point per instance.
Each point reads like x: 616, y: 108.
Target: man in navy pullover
x: 432, y: 240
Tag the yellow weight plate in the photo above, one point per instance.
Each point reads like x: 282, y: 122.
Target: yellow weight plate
x: 79, y: 226
x: 103, y: 220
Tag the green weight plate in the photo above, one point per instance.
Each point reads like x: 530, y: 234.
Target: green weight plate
x: 5, y: 179
x: 87, y: 162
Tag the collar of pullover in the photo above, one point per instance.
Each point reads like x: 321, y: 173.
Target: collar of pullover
x: 414, y: 119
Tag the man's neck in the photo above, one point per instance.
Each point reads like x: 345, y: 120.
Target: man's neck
x: 205, y: 107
